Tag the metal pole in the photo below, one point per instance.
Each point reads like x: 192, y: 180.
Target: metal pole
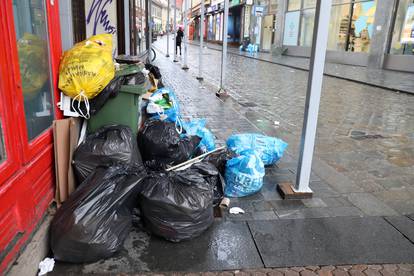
x: 200, y: 54
x: 141, y: 45
x: 313, y: 95
x: 168, y: 29
x: 185, y: 66
x: 224, y: 48
x: 175, y: 31
x: 150, y: 30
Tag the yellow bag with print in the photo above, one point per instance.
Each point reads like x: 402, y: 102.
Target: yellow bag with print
x: 33, y: 61
x: 87, y: 68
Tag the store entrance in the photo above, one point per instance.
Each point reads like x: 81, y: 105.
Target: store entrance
x: 267, y: 31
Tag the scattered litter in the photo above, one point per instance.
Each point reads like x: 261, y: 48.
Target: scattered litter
x: 46, y: 266
x: 225, y: 202
x: 258, y: 120
x: 236, y: 210
x: 277, y: 123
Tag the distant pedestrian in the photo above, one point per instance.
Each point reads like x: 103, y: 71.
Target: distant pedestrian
x: 178, y: 39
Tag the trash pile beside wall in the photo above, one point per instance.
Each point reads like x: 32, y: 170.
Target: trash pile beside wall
x: 152, y: 166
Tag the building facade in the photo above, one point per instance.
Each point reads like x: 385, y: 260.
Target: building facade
x: 373, y: 33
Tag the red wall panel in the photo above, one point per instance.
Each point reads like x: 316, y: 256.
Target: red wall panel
x: 27, y: 187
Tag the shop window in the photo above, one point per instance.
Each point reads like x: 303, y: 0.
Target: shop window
x: 309, y: 4
x: 294, y: 5
x: 32, y: 45
x: 2, y: 148
x: 338, y: 27
x: 306, y: 27
x: 402, y: 42
x: 350, y: 28
x: 362, y: 26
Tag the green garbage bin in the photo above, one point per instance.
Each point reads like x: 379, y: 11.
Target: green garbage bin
x: 121, y: 110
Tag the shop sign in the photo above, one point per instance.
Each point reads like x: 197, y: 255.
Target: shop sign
x: 258, y: 10
x: 407, y: 34
x: 234, y: 3
x: 291, y: 32
x: 101, y: 19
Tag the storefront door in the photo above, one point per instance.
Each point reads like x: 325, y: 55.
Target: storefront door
x: 30, y: 52
x: 267, y: 32
x: 401, y: 50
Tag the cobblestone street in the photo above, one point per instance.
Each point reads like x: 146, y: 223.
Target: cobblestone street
x: 365, y: 139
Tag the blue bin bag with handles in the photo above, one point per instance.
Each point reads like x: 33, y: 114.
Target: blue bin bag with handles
x: 270, y: 149
x: 198, y: 128
x: 244, y: 174
x: 155, y: 111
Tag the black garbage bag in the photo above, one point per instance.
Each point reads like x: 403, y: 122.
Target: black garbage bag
x: 108, y: 145
x: 96, y: 219
x: 110, y: 91
x: 177, y: 205
x: 161, y: 145
x: 212, y: 176
x: 154, y: 70
x: 220, y: 158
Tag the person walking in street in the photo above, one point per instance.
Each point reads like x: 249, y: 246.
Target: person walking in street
x: 178, y: 39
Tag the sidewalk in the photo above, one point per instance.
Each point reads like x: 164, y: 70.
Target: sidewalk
x: 328, y: 229
x: 388, y: 79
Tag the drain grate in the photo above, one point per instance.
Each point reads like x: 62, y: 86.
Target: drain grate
x: 361, y: 135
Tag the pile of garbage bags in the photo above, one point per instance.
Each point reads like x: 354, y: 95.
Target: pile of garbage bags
x: 170, y: 174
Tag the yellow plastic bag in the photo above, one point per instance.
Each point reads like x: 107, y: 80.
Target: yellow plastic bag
x: 33, y: 64
x: 87, y: 68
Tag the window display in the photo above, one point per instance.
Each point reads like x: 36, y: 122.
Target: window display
x: 306, y: 28
x: 350, y: 27
x: 294, y: 5
x: 32, y: 45
x: 362, y: 26
x: 402, y: 42
x: 338, y: 27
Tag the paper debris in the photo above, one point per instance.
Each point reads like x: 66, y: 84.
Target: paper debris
x: 46, y: 266
x: 236, y: 210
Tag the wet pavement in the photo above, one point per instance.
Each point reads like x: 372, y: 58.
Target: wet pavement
x: 362, y: 178
x: 365, y: 139
x: 397, y: 81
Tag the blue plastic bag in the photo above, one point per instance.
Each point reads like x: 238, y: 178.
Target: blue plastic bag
x: 244, y: 174
x: 198, y: 127
x: 270, y: 149
x: 171, y: 114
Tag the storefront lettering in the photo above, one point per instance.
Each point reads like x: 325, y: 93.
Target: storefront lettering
x: 100, y: 16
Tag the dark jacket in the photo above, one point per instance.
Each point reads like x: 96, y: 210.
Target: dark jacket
x: 179, y: 37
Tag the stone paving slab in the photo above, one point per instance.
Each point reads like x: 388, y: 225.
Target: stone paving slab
x: 403, y: 224
x: 333, y: 241
x: 224, y: 246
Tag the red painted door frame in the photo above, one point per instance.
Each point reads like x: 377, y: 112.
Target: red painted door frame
x: 27, y: 175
